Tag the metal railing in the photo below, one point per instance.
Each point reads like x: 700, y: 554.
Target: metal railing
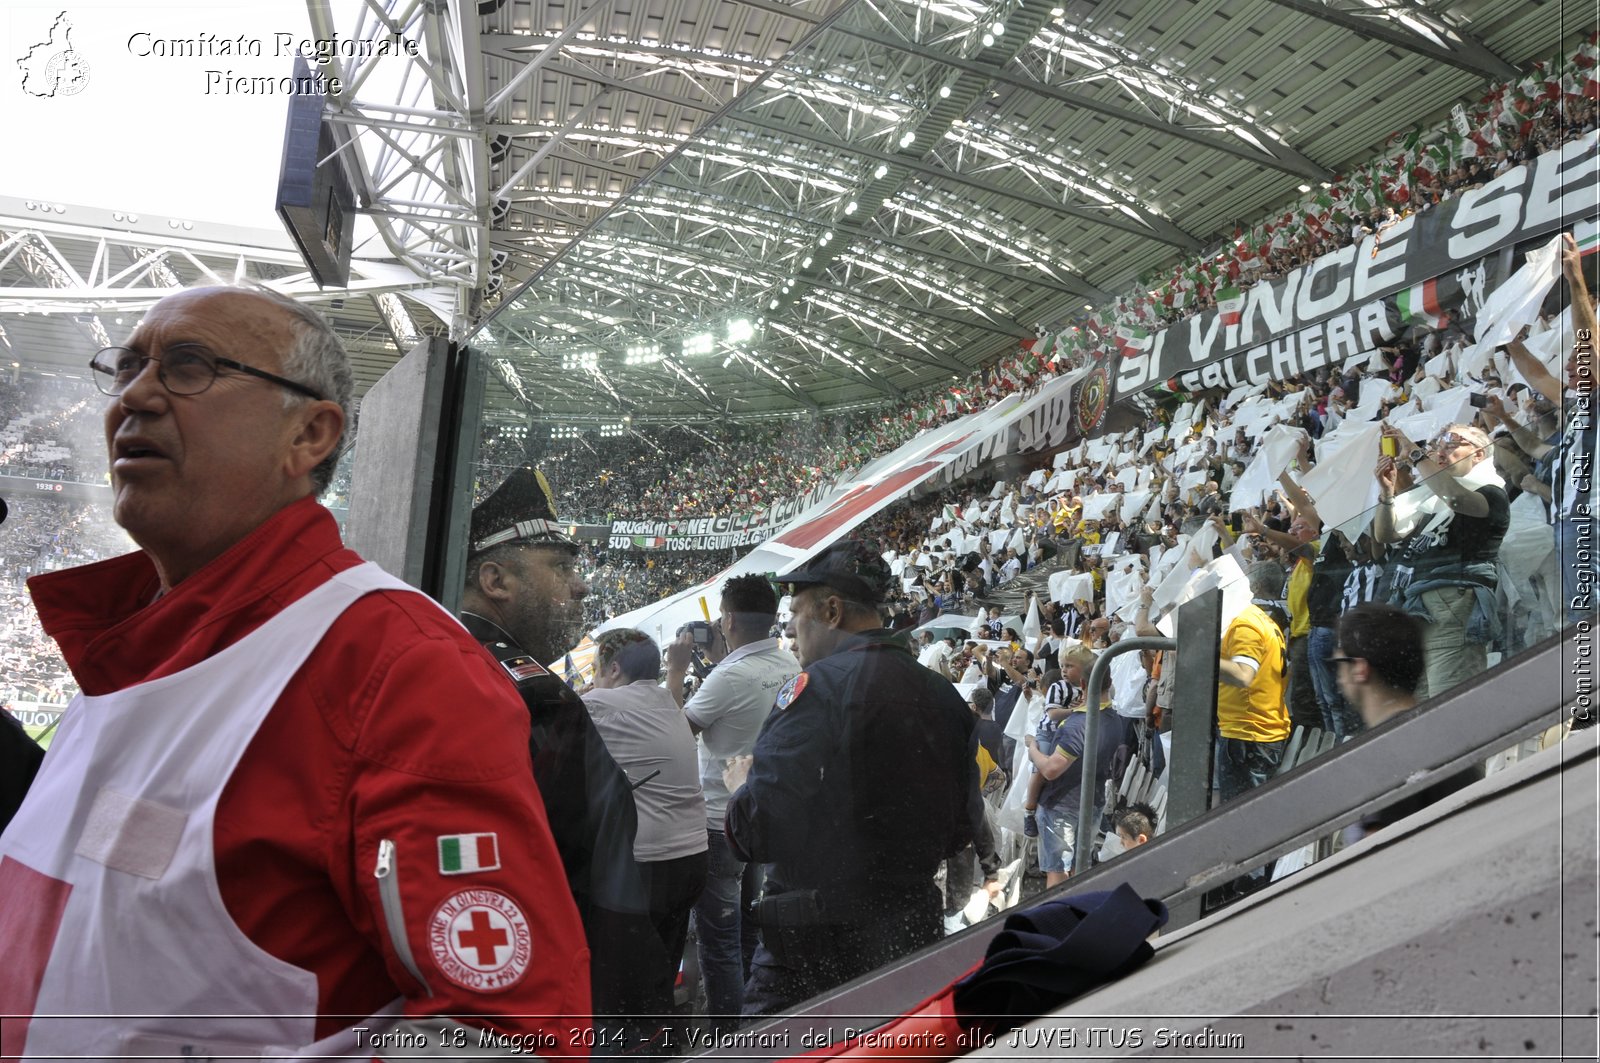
x: 1408, y: 754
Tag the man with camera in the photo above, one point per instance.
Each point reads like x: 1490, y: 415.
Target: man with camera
x: 727, y: 712
x: 864, y: 778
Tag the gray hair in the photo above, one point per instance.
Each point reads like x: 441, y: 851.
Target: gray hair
x: 1266, y: 579
x: 318, y: 360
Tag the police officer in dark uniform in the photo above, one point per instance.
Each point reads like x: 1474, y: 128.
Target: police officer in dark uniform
x: 863, y: 779
x: 523, y: 600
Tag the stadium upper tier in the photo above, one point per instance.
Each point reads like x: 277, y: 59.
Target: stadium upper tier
x: 737, y: 209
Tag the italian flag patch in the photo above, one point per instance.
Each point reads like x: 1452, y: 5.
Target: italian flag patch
x: 462, y: 854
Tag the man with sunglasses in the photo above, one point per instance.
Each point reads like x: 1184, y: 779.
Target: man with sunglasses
x: 294, y: 791
x: 1446, y: 509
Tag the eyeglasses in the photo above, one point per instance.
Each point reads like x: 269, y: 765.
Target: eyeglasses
x: 184, y: 369
x: 1336, y: 661
x: 1450, y: 442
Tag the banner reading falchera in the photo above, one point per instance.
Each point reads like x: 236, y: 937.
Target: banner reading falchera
x: 1351, y: 301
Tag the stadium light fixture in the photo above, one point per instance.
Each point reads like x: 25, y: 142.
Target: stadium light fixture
x: 740, y: 330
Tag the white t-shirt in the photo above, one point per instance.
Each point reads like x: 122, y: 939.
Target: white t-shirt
x: 937, y: 656
x: 645, y: 731
x: 1127, y: 685
x: 730, y: 707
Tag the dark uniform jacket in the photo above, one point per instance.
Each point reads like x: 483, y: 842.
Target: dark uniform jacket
x: 864, y: 779
x: 20, y: 757
x: 591, y: 811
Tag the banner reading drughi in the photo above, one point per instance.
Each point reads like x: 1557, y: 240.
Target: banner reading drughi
x: 1357, y: 298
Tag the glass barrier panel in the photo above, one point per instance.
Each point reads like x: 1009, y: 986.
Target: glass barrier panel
x: 1396, y: 605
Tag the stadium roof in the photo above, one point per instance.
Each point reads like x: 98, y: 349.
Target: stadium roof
x: 769, y: 206
x: 714, y: 208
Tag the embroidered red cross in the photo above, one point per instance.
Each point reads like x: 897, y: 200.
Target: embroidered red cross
x: 483, y: 937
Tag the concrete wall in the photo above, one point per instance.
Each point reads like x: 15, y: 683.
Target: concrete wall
x: 396, y: 462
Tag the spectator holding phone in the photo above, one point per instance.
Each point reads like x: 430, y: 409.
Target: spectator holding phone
x: 1448, y: 528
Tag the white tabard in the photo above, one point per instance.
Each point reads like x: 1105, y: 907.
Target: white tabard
x: 114, y: 941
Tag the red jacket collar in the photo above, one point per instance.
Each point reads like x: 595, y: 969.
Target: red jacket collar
x: 114, y: 631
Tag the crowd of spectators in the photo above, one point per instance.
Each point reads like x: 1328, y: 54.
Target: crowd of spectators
x: 620, y: 581
x: 48, y: 429
x: 41, y: 535
x: 1516, y: 122
x: 1334, y: 227
x: 1259, y: 477
x: 48, y: 432
x: 696, y: 470
x: 734, y: 469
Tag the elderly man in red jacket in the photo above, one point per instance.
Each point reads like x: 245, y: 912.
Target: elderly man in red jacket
x: 294, y: 791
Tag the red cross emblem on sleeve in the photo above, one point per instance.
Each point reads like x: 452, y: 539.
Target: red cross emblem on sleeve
x: 480, y: 940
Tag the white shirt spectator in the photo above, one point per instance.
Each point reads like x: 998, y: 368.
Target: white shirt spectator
x: 730, y: 707
x: 1127, y: 684
x: 937, y: 656
x: 645, y: 732
x: 1010, y: 569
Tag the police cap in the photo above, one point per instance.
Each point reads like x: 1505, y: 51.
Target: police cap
x: 853, y: 567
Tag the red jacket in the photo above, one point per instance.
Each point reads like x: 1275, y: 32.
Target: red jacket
x: 397, y: 727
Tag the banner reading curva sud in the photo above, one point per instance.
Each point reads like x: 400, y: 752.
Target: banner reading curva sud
x: 1350, y: 301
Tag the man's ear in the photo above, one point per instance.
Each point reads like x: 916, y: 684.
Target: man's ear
x: 321, y: 424
x: 495, y: 581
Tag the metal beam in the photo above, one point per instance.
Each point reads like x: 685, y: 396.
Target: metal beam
x: 512, y: 43
x: 1472, y: 55
x: 943, y: 315
x: 1155, y: 228
x: 1073, y: 285
x: 1280, y: 158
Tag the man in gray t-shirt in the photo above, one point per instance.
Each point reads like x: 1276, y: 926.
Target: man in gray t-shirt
x: 727, y: 712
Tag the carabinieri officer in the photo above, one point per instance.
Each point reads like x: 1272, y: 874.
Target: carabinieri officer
x: 863, y: 779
